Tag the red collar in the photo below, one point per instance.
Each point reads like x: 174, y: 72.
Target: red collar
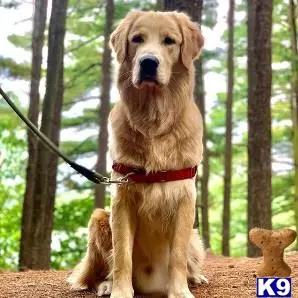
x: 139, y: 175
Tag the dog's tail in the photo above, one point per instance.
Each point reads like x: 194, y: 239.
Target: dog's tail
x: 94, y: 267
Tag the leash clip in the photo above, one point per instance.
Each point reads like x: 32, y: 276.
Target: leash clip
x: 121, y: 180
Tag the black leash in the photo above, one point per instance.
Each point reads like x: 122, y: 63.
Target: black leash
x: 90, y: 175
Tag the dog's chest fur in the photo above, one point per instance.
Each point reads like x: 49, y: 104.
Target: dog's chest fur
x: 133, y: 143
x: 179, y: 148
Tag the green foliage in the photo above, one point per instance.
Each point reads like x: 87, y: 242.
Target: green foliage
x: 77, y: 213
x: 20, y: 41
x: 12, y: 167
x: 71, y: 247
x: 86, y: 146
x: 70, y: 231
x: 87, y: 118
x: 210, y: 13
x: 8, y: 119
x: 10, y: 3
x: 9, y: 68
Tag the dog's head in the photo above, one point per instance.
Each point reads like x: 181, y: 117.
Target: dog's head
x: 152, y: 43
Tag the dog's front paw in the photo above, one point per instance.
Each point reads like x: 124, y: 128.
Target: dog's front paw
x: 122, y: 293
x: 181, y: 294
x: 198, y: 280
x: 105, y: 288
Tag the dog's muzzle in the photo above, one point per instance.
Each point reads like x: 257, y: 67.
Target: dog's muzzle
x: 148, y: 68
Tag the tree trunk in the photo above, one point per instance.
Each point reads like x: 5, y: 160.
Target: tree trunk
x: 104, y: 107
x: 229, y: 128
x: 294, y: 104
x: 259, y: 116
x: 194, y: 10
x: 44, y: 196
x: 39, y: 22
x: 200, y: 99
x: 53, y: 166
x: 196, y: 15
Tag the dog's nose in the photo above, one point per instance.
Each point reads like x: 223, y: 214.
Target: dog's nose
x: 148, y: 66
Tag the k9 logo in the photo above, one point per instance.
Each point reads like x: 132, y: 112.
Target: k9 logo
x: 274, y: 287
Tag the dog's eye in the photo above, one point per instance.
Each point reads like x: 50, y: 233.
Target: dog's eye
x: 169, y: 41
x: 138, y: 39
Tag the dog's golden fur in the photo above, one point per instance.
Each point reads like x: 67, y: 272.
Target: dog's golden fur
x: 150, y: 247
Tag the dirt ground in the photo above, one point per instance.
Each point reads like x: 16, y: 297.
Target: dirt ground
x: 228, y: 278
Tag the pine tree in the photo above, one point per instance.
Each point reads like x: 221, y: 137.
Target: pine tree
x: 259, y: 116
x: 39, y: 22
x: 294, y: 100
x: 104, y: 107
x: 229, y: 129
x: 45, y: 183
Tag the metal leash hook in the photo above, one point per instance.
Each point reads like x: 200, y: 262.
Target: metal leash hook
x: 121, y: 180
x: 89, y: 174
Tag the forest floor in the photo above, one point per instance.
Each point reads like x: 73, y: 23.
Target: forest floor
x: 228, y: 278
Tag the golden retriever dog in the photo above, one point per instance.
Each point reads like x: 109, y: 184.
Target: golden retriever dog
x: 148, y: 245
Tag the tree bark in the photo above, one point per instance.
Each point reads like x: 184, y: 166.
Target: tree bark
x: 53, y: 166
x: 104, y: 106
x: 44, y: 196
x: 194, y: 10
x: 200, y: 99
x: 229, y: 129
x: 259, y: 116
x: 294, y: 103
x: 39, y: 22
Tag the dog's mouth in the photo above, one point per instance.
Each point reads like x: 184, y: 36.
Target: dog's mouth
x: 147, y: 81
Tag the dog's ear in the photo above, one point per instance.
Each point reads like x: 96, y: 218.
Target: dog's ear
x: 118, y: 40
x: 192, y: 39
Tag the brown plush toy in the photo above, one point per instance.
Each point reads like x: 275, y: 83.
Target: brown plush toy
x: 273, y: 243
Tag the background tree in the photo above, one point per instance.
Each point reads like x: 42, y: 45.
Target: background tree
x: 259, y: 116
x: 201, y: 202
x: 45, y: 183
x: 185, y: 6
x: 229, y: 132
x: 104, y: 107
x: 39, y: 22
x: 294, y: 99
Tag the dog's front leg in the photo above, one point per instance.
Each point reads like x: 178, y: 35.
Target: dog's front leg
x: 123, y: 229
x: 178, y: 287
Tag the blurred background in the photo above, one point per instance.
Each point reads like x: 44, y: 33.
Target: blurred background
x: 56, y: 65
